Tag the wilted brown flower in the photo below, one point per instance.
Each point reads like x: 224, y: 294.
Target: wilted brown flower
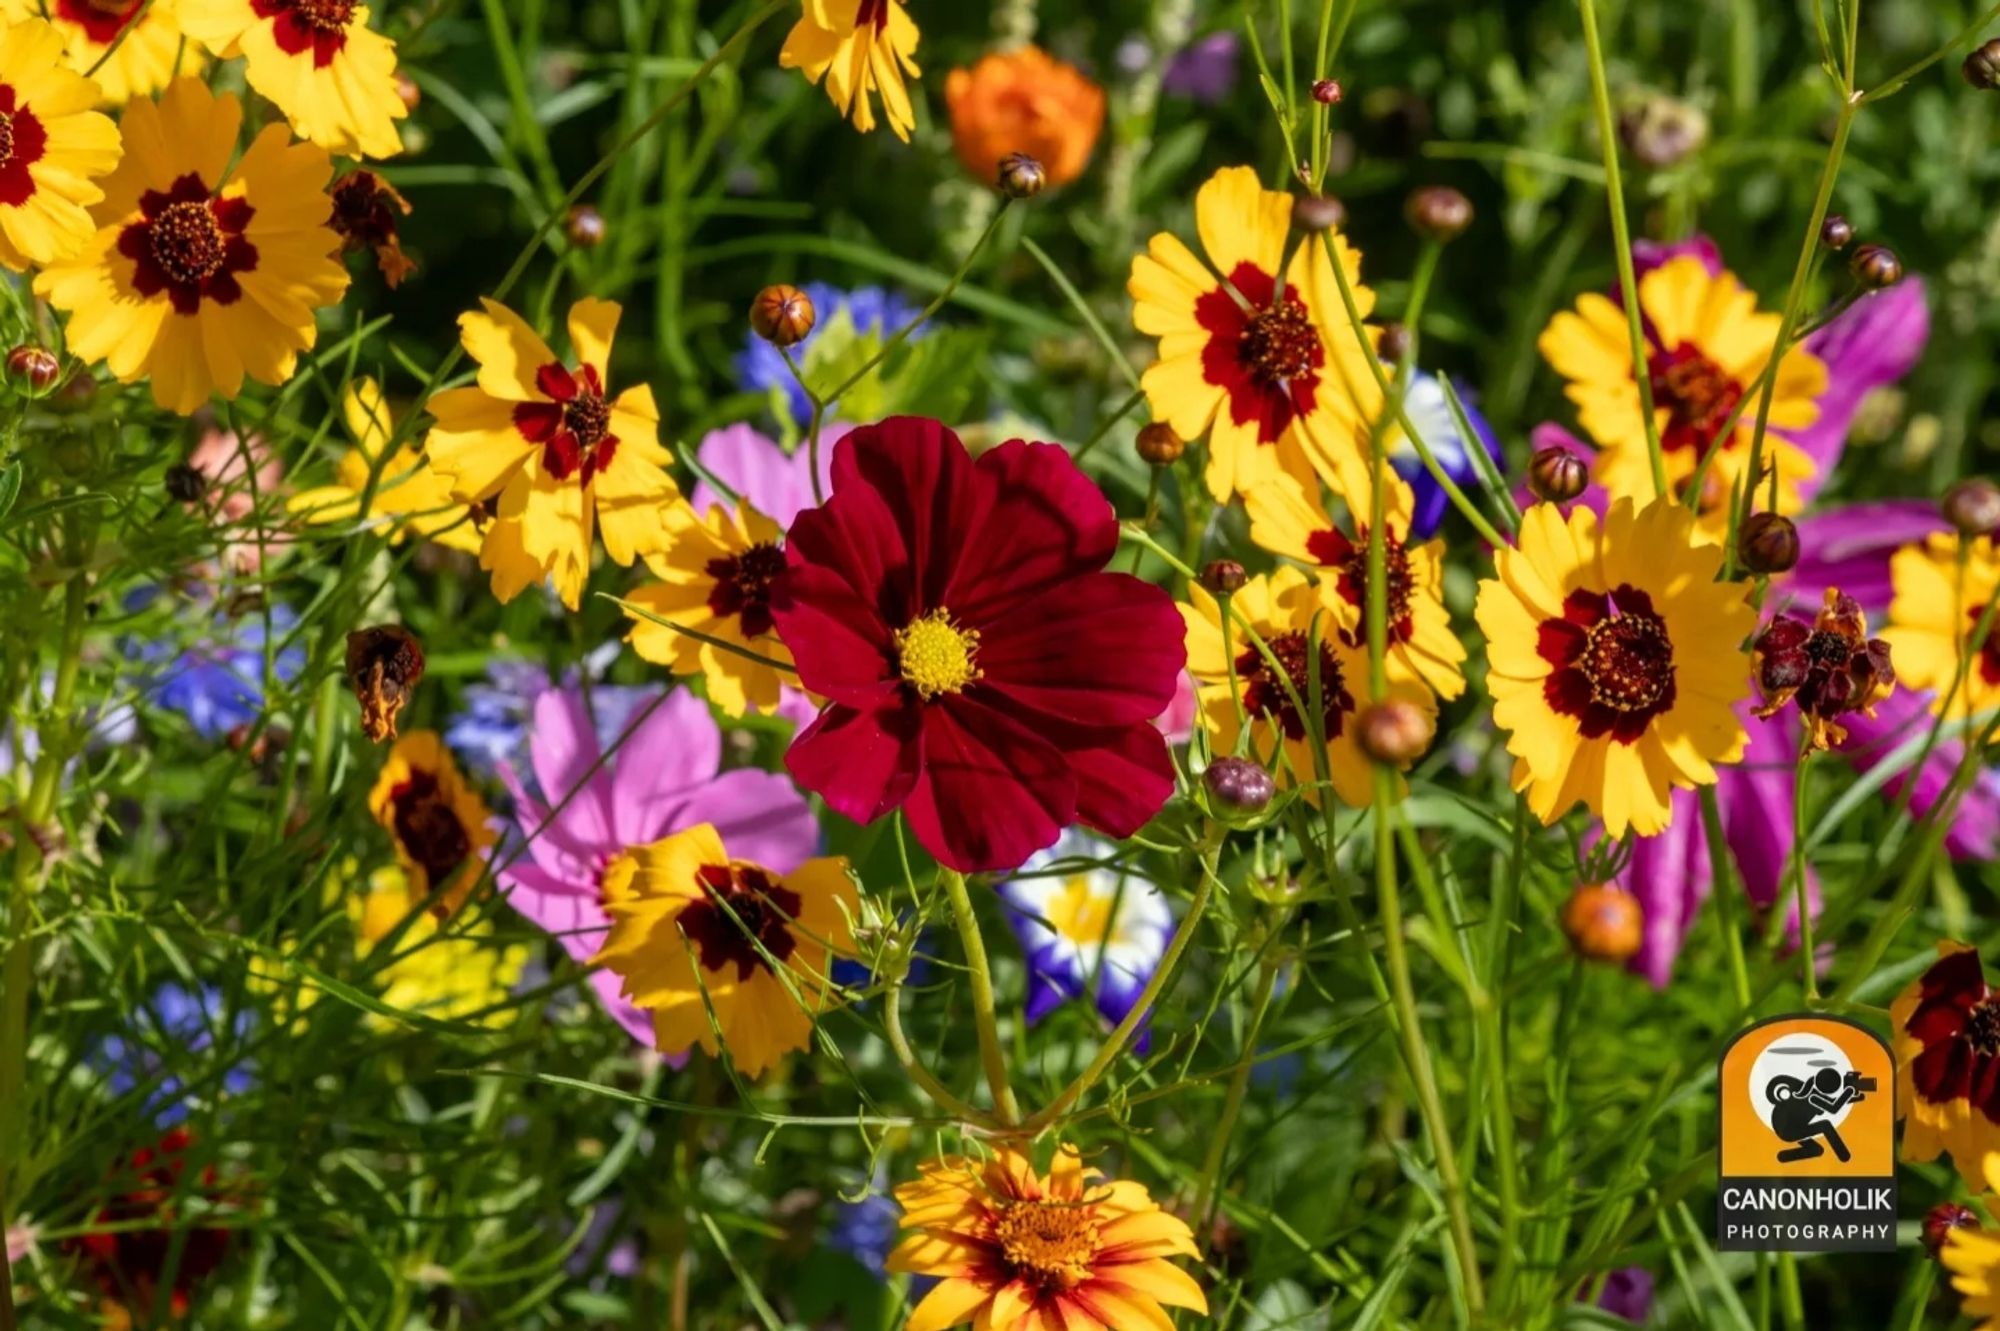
x: 1828, y: 667
x: 384, y: 664
x: 365, y: 208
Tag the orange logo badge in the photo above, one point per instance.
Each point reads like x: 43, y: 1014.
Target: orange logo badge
x: 1808, y: 1139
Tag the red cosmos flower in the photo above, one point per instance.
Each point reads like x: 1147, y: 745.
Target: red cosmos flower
x: 985, y: 674
x: 128, y: 1260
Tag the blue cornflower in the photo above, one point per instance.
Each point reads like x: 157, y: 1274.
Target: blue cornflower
x: 175, y: 1023
x: 1435, y: 422
x: 865, y: 1230
x: 760, y: 367
x: 219, y: 684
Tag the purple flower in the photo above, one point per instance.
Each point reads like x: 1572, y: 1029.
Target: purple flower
x: 664, y: 778
x: 173, y: 1025
x: 493, y: 728
x: 1628, y: 1293
x: 1850, y: 548
x: 1205, y: 72
x: 1905, y: 714
x: 760, y: 367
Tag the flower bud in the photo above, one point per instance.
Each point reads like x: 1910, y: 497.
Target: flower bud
x: 585, y: 227
x: 1439, y: 212
x: 36, y: 367
x: 1021, y: 176
x: 408, y: 91
x: 1876, y: 267
x: 1982, y: 67
x: 1239, y: 786
x: 1941, y: 1220
x: 1319, y: 212
x: 186, y: 484
x: 1396, y: 733
x: 782, y: 315
x: 1972, y: 506
x: 384, y: 664
x: 1603, y: 922
x: 1159, y: 445
x: 1556, y: 475
x: 1326, y: 92
x: 1662, y: 130
x: 1392, y: 342
x: 1767, y: 543
x: 1223, y: 577
x: 1836, y: 232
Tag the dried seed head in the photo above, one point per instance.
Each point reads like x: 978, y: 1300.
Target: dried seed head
x: 1829, y: 667
x: 384, y: 664
x: 186, y: 484
x: 782, y: 315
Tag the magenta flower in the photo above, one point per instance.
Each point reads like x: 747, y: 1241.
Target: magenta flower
x: 775, y: 483
x: 665, y: 777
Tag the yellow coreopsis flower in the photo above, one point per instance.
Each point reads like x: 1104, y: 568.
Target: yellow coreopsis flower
x: 1274, y: 377
x: 1933, y: 615
x: 1011, y: 1248
x: 1616, y: 661
x: 332, y: 75
x: 416, y: 498
x: 206, y: 266
x: 716, y: 575
x: 444, y: 970
x: 441, y: 827
x: 556, y: 456
x: 699, y: 940
x: 96, y: 42
x: 861, y: 48
x: 1706, y: 346
x: 54, y: 149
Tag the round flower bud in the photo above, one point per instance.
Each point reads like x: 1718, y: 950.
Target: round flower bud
x: 782, y: 315
x: 406, y: 89
x: 1319, y: 212
x: 36, y: 367
x: 1021, y: 176
x: 1159, y: 445
x: 1767, y: 543
x: 1836, y: 232
x: 185, y: 484
x: 1876, y: 267
x: 1439, y: 212
x: 1556, y: 475
x: 1943, y: 1218
x: 1396, y: 733
x: 1239, y: 786
x: 1603, y: 922
x: 1661, y: 130
x: 1223, y: 577
x: 1972, y: 506
x: 1982, y: 67
x: 1326, y: 92
x: 1392, y: 342
x: 585, y: 227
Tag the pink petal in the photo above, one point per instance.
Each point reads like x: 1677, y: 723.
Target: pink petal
x: 671, y: 753
x: 760, y: 816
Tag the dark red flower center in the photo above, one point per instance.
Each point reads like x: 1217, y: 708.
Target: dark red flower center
x: 1264, y: 692
x: 1279, y: 343
x: 743, y: 586
x: 427, y: 827
x: 362, y: 209
x: 1957, y: 1024
x: 1697, y: 394
x: 873, y: 13
x: 1262, y: 349
x: 189, y: 245
x: 574, y: 427
x: 318, y: 26
x: 746, y: 909
x: 101, y: 20
x: 324, y: 15
x: 1614, y: 663
x: 23, y: 141
x: 1982, y: 1028
x: 1989, y: 651
x: 1331, y: 549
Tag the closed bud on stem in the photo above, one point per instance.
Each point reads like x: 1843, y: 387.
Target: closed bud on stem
x: 185, y: 484
x: 1876, y: 267
x: 585, y: 227
x: 1319, y: 212
x: 1767, y: 543
x: 1021, y: 176
x: 1982, y: 67
x: 1238, y: 788
x: 1223, y: 577
x: 1556, y: 475
x: 1159, y: 445
x: 1603, y: 922
x: 1392, y: 343
x: 1327, y: 92
x: 782, y: 315
x: 1836, y: 232
x: 384, y: 664
x: 1941, y: 1220
x: 1972, y: 506
x: 35, y: 367
x: 406, y: 89
x: 1439, y: 212
x: 1396, y: 733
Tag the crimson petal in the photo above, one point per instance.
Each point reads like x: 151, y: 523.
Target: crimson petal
x: 1103, y: 649
x: 842, y: 648
x: 1123, y: 777
x: 1044, y: 522
x: 992, y: 791
x: 862, y: 763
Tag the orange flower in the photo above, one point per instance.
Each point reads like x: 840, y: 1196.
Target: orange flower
x: 1024, y: 101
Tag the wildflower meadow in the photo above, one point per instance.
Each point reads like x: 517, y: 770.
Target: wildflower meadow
x: 1047, y: 665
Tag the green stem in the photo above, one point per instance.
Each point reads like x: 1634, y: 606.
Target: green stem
x: 1796, y: 869
x: 1239, y: 1085
x: 892, y: 1020
x: 983, y: 1009
x: 1722, y: 885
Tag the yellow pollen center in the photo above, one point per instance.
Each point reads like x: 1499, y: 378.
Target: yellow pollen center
x: 1050, y: 1244
x: 1081, y: 914
x: 937, y: 656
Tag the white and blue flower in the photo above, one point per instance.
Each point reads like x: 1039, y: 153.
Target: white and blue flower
x: 1437, y: 425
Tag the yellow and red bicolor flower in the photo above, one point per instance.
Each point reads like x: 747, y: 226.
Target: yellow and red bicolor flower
x: 1945, y: 1029
x: 53, y: 149
x: 861, y: 48
x: 442, y: 829
x: 123, y: 64
x: 332, y: 75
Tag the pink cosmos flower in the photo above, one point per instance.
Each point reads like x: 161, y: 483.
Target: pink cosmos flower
x: 231, y: 500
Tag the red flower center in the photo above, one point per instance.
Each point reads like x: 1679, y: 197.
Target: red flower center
x: 189, y: 245
x: 324, y: 15
x: 1331, y: 549
x: 1614, y: 663
x: 101, y: 20
x: 1989, y: 651
x: 574, y: 427
x: 1262, y: 349
x: 23, y: 141
x: 299, y: 26
x: 427, y: 827
x: 6, y: 138
x: 746, y: 909
x: 1279, y: 343
x: 1982, y: 1028
x: 1697, y: 393
x: 1265, y: 694
x: 743, y: 586
x: 873, y: 13
x: 1050, y: 1245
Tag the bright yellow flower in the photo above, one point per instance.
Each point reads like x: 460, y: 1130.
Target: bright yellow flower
x: 54, y: 150
x: 447, y: 971
x: 1616, y: 661
x: 860, y: 47
x: 1275, y: 379
x: 1707, y: 344
x: 139, y: 65
x: 1972, y: 1256
x: 715, y: 578
x: 201, y: 272
x: 1286, y: 519
x: 554, y: 453
x: 1933, y: 615
x: 407, y: 490
x: 1068, y: 1252
x: 699, y: 940
x: 332, y: 75
x: 441, y: 827
x: 1281, y: 609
